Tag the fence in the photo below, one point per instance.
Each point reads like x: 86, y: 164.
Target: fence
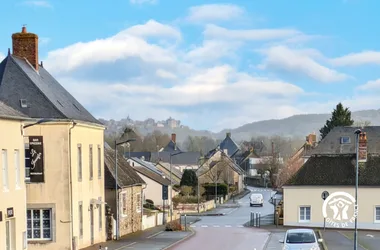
x: 257, y: 220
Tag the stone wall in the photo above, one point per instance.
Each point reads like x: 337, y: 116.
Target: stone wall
x: 132, y: 221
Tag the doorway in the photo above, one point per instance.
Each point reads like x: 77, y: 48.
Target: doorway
x: 92, y: 223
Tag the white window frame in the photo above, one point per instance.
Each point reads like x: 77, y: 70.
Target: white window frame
x: 16, y: 155
x: 80, y: 219
x: 99, y: 162
x: 91, y: 162
x: 303, y: 220
x: 5, y: 172
x: 374, y: 219
x: 138, y: 203
x: 79, y: 158
x: 41, y: 224
x: 124, y: 204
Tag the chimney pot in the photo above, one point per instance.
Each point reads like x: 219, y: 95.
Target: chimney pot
x: 174, y: 137
x: 23, y: 30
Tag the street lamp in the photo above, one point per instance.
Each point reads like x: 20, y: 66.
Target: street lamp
x: 117, y: 143
x: 171, y: 183
x: 357, y: 132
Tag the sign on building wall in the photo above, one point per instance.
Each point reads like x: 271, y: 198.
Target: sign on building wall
x: 34, y: 159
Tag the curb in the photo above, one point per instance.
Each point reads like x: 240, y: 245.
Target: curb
x: 323, y: 242
x: 268, y: 240
x: 181, y: 240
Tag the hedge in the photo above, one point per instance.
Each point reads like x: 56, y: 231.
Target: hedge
x: 222, y: 189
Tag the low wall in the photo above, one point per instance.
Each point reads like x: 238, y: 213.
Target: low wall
x: 156, y: 219
x: 193, y: 207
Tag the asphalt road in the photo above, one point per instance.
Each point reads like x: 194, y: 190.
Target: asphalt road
x: 228, y: 232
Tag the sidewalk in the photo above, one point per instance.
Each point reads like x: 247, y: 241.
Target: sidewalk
x: 153, y: 238
x: 337, y: 241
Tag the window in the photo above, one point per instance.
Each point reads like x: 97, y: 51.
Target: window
x: 39, y: 224
x: 100, y: 214
x: 99, y: 162
x: 377, y: 214
x: 80, y: 211
x: 138, y: 202
x: 79, y: 162
x: 124, y: 204
x: 305, y: 214
x: 4, y: 158
x: 17, y: 167
x: 345, y: 140
x: 91, y: 167
x: 27, y: 168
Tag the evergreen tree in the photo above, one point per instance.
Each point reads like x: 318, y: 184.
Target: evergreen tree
x: 189, y: 178
x: 341, y: 116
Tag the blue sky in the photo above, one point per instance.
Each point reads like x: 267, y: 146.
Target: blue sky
x: 213, y: 65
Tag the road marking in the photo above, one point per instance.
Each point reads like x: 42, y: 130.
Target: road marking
x: 204, y: 226
x: 150, y: 236
x: 129, y: 245
x: 233, y: 210
x: 370, y: 235
x: 192, y: 226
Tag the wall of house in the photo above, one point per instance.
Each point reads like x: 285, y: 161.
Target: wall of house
x: 54, y: 193
x: 295, y: 197
x: 14, y: 196
x: 153, y: 191
x: 131, y: 221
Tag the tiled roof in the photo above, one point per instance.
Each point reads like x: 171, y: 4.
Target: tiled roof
x: 331, y: 170
x: 331, y: 144
x: 45, y: 97
x: 8, y: 112
x: 127, y: 176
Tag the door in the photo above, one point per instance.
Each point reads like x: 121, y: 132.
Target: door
x: 92, y: 223
x: 8, y: 235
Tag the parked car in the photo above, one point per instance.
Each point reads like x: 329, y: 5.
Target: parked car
x: 256, y: 199
x: 301, y: 239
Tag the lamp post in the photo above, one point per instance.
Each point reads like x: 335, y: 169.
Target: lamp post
x: 117, y: 143
x: 357, y: 132
x: 171, y: 183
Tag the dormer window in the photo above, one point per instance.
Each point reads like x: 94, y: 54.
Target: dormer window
x: 345, y: 140
x: 23, y: 103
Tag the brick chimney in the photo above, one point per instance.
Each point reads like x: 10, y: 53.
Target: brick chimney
x: 25, y: 45
x: 174, y: 137
x: 228, y: 134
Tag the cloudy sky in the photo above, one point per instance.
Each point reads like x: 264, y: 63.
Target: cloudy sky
x: 212, y: 65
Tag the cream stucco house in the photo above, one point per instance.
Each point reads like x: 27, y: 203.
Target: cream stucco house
x: 331, y: 168
x: 12, y: 181
x: 64, y: 153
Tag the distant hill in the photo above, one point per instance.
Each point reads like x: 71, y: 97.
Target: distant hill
x: 294, y: 126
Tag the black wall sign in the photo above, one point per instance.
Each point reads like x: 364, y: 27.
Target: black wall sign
x: 34, y: 158
x: 10, y: 212
x: 165, y: 192
x: 324, y: 195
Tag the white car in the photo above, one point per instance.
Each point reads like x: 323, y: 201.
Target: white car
x: 300, y: 239
x: 256, y: 199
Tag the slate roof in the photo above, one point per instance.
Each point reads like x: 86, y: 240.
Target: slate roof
x: 175, y: 171
x: 146, y: 155
x: 331, y: 143
x: 172, y: 147
x: 151, y: 175
x: 185, y: 158
x: 127, y: 176
x: 8, y: 112
x: 210, y: 163
x: 45, y: 97
x: 333, y: 170
x: 229, y: 145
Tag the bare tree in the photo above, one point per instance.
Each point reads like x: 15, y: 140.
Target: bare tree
x: 362, y: 124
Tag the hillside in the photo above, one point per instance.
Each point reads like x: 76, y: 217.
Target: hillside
x: 294, y: 126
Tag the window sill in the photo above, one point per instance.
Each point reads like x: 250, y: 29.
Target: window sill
x: 377, y: 222
x: 304, y: 221
x: 39, y: 241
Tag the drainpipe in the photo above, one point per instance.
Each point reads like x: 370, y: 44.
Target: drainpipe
x: 71, y: 190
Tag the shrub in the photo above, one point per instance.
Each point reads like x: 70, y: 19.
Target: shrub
x: 189, y: 178
x: 186, y: 190
x: 173, y: 226
x: 184, y: 199
x: 150, y: 206
x: 149, y: 201
x: 221, y: 189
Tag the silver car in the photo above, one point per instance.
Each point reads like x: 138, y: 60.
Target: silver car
x: 300, y: 239
x: 256, y: 199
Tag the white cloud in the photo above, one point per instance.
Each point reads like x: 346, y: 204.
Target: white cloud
x: 216, y: 32
x: 2, y: 56
x: 143, y: 1
x: 300, y: 61
x: 370, y: 85
x: 355, y: 59
x: 214, y: 12
x: 44, y: 4
x: 153, y: 28
x: 165, y: 74
x: 44, y: 40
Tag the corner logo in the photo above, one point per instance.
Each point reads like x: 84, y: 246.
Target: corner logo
x: 339, y: 209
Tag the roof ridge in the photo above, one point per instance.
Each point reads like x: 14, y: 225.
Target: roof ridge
x: 43, y: 94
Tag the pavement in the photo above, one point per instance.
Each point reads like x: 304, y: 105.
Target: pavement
x: 228, y: 231
x: 369, y: 240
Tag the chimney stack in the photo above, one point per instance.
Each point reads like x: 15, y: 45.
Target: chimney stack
x: 25, y: 45
x: 228, y: 134
x: 174, y: 137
